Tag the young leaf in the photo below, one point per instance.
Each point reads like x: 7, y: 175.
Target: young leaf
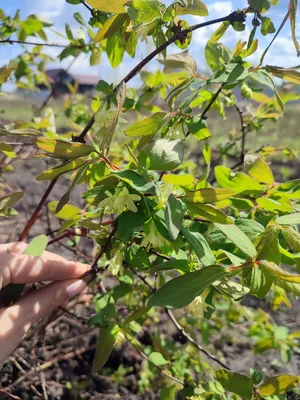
x: 235, y: 383
x: 236, y: 236
x: 292, y: 238
x: 61, y: 169
x: 106, y: 340
x: 291, y: 219
x: 37, y: 246
x: 287, y: 281
x: 209, y: 195
x: 181, y: 291
x: 200, y: 246
x: 209, y: 212
x: 67, y: 211
x: 293, y: 6
x: 157, y: 359
x: 258, y: 169
x: 191, y: 7
x: 268, y: 246
x: 7, y: 150
x: 63, y: 149
x: 137, y: 181
x: 278, y: 385
x: 162, y: 155
x: 147, y: 126
x: 112, y: 6
x: 10, y: 199
x: 180, y: 61
x: 174, y: 216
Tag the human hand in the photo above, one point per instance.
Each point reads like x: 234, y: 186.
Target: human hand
x: 16, y: 267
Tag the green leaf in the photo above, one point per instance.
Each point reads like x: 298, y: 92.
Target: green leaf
x: 278, y: 385
x: 291, y: 219
x: 258, y: 279
x: 258, y: 169
x: 191, y: 7
x: 293, y: 6
x: 128, y: 223
x: 157, y: 359
x: 180, y: 61
x: 181, y: 291
x: 174, y: 216
x: 209, y: 212
x: 268, y: 246
x: 10, y: 199
x: 5, y: 73
x: 59, y: 170
x: 200, y: 246
x: 287, y: 281
x: 292, y: 238
x: 237, y: 181
x: 63, y: 149
x: 115, y: 50
x: 236, y: 236
x: 208, y: 195
x: 162, y: 155
x: 168, y: 393
x: 147, y: 126
x: 106, y: 340
x: 68, y: 211
x: 216, y: 55
x: 198, y: 128
x: 250, y: 227
x: 235, y: 383
x: 179, y: 265
x: 137, y: 181
x: 112, y: 26
x: 28, y: 27
x: 113, y: 6
x: 37, y: 246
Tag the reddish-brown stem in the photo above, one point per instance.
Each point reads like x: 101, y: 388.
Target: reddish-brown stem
x: 37, y: 211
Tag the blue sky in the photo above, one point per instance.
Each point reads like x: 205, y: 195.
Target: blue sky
x: 59, y: 12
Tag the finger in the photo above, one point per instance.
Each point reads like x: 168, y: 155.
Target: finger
x: 14, y: 247
x: 16, y: 320
x: 20, y: 268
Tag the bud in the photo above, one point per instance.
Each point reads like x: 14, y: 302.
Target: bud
x: 246, y: 91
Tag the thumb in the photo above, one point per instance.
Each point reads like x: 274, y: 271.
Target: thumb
x: 16, y: 320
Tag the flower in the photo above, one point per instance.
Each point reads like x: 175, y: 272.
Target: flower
x: 116, y: 263
x: 125, y: 200
x: 152, y: 236
x: 109, y: 201
x: 120, y: 201
x: 198, y: 306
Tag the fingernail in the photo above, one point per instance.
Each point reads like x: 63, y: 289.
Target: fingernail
x: 76, y: 287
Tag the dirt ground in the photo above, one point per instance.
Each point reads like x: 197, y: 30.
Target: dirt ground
x: 54, y: 361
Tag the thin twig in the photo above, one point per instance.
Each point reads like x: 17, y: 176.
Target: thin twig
x: 192, y: 341
x: 10, y: 41
x: 179, y: 35
x: 87, y: 6
x: 244, y: 132
x: 49, y: 364
x: 37, y: 211
x: 104, y: 248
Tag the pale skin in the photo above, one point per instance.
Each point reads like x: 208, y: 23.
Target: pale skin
x: 16, y: 267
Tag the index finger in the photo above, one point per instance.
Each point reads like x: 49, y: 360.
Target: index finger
x: 21, y: 268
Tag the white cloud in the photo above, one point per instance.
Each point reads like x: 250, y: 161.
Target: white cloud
x: 48, y: 9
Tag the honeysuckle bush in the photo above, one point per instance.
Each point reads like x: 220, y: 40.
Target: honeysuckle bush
x: 174, y: 232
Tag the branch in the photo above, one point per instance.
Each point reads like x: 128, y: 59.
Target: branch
x: 244, y: 132
x: 183, y: 332
x: 37, y: 211
x: 179, y: 35
x: 10, y: 41
x: 87, y: 6
x: 192, y: 341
